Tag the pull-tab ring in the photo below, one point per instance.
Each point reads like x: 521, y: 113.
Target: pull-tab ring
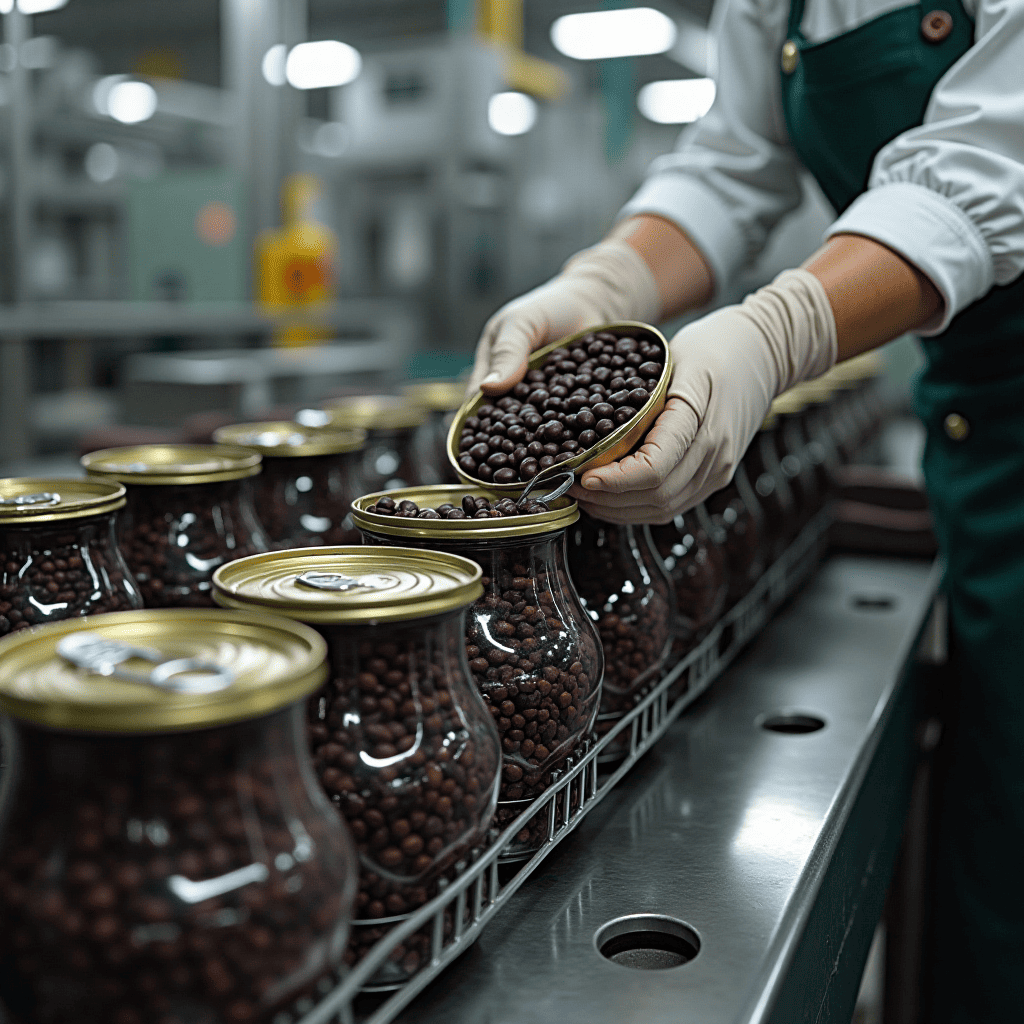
x: 42, y: 498
x: 340, y: 583
x: 567, y: 482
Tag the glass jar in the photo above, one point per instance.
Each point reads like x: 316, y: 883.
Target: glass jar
x: 775, y: 496
x: 736, y: 513
x: 59, y: 557
x: 534, y: 653
x: 308, y: 480
x: 794, y: 457
x: 392, y: 457
x: 165, y: 855
x: 630, y: 602
x: 189, y: 511
x: 401, y: 742
x: 697, y: 567
x: 442, y: 399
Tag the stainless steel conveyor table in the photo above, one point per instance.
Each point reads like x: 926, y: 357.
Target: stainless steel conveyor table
x: 774, y: 848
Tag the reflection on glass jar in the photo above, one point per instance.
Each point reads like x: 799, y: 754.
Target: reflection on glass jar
x: 401, y: 742
x: 774, y: 495
x: 309, y: 478
x: 189, y: 511
x: 736, y: 514
x: 628, y: 602
x: 59, y: 557
x: 171, y: 858
x: 534, y: 653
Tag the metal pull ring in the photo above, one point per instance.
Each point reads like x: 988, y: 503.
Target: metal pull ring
x: 104, y: 657
x: 341, y: 583
x: 42, y: 498
x: 567, y: 482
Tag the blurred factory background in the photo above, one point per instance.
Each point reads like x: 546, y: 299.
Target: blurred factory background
x: 247, y: 205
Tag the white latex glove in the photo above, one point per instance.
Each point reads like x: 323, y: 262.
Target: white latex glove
x: 728, y: 367
x: 609, y: 282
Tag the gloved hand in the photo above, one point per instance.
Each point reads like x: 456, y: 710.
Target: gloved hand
x: 609, y: 282
x: 728, y: 366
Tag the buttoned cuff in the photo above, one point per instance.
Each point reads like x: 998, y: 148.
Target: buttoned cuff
x: 702, y: 214
x: 932, y: 233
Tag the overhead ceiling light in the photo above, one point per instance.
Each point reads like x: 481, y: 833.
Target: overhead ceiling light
x: 6, y: 6
x: 511, y: 113
x: 273, y: 64
x: 631, y: 32
x: 678, y: 101
x: 324, y: 64
x: 132, y: 102
x: 39, y: 6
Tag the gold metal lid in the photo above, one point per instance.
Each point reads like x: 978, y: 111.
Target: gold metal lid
x: 283, y: 440
x: 173, y: 463
x: 436, y: 395
x: 564, y: 512
x: 619, y: 443
x: 270, y: 662
x: 32, y: 499
x: 350, y: 585
x: 368, y: 412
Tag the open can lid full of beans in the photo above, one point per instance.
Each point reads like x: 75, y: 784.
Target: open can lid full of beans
x: 162, y: 670
x: 350, y: 585
x: 585, y: 402
x: 46, y: 499
x: 284, y: 440
x: 157, y: 464
x: 366, y: 412
x: 563, y: 512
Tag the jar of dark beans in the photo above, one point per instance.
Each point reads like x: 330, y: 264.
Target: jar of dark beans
x: 696, y: 564
x: 59, y: 557
x: 736, y: 514
x: 632, y: 606
x: 308, y: 481
x: 190, y: 510
x: 392, y: 457
x: 822, y: 448
x: 442, y: 399
x: 794, y: 458
x: 167, y: 854
x: 774, y: 494
x: 401, y: 741
x: 535, y: 654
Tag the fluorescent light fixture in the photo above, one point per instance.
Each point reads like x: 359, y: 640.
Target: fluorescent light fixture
x: 631, y: 32
x: 6, y: 6
x: 273, y: 64
x: 324, y: 64
x: 678, y: 101
x: 39, y: 6
x: 102, y: 162
x: 132, y: 102
x: 511, y: 113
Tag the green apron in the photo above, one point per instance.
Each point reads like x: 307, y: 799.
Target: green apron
x: 843, y: 100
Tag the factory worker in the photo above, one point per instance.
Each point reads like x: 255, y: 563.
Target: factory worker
x: 912, y: 121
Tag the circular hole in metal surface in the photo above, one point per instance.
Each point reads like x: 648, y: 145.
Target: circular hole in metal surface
x: 873, y: 602
x: 647, y: 942
x: 792, y: 723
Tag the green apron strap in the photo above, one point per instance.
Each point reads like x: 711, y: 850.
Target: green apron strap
x: 796, y: 15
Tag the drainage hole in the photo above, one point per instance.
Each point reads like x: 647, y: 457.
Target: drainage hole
x: 873, y: 602
x: 647, y: 942
x: 792, y: 724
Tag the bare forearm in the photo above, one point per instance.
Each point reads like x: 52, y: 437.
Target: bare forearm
x: 875, y: 294
x: 682, y: 274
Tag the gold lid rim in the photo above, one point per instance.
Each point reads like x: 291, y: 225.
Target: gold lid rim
x: 229, y: 580
x: 242, y: 463
x: 619, y: 443
x: 436, y: 395
x: 317, y: 440
x: 174, y: 713
x: 461, y: 531
x: 24, y: 515
x: 374, y: 413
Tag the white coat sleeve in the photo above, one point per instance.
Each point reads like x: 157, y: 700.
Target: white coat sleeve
x: 733, y: 174
x: 948, y: 195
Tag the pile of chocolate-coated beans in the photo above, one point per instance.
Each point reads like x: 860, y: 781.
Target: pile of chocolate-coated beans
x: 175, y: 537
x: 469, y: 508
x: 60, y: 573
x: 102, y: 923
x: 561, y: 409
x: 395, y: 691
